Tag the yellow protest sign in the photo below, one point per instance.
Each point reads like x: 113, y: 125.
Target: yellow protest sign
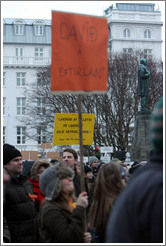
x: 66, y: 129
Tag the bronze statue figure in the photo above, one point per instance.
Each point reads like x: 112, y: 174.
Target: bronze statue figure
x: 143, y: 83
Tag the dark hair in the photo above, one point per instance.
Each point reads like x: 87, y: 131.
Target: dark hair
x: 72, y: 151
x: 108, y: 186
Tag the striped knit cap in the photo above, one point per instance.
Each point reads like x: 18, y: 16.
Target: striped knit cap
x: 156, y: 129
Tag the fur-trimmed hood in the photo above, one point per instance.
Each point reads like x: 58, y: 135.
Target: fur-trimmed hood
x: 36, y: 166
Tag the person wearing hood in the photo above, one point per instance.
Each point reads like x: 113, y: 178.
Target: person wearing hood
x: 36, y: 170
x: 61, y: 216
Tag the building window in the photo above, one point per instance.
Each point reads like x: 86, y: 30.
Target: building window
x: 39, y: 28
x: 148, y: 53
x: 4, y: 78
x: 147, y: 34
x: 20, y: 78
x: 38, y: 52
x: 127, y: 51
x: 4, y: 105
x: 38, y: 56
x: 41, y: 133
x: 21, y: 131
x: 4, y: 134
x: 19, y: 27
x: 126, y: 33
x: 19, y: 54
x: 20, y: 106
x: 41, y: 106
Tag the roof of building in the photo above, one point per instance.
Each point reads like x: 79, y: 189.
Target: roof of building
x: 27, y: 21
x: 140, y: 7
x: 28, y: 36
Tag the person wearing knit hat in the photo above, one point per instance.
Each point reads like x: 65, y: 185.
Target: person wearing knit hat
x: 61, y: 217
x: 12, y: 160
x: 87, y: 169
x: 89, y: 184
x: 93, y: 163
x: 92, y: 160
x: 36, y: 170
x: 20, y: 211
x: 9, y: 153
x: 138, y: 213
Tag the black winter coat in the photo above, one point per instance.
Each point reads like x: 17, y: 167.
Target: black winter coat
x: 137, y: 216
x: 20, y: 211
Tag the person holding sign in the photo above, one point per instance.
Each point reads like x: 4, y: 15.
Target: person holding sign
x: 61, y: 217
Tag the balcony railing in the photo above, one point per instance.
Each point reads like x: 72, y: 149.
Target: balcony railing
x: 26, y: 61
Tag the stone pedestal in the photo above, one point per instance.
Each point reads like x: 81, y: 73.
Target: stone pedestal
x: 141, y: 138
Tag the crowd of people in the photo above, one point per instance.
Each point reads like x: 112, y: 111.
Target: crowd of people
x: 119, y: 203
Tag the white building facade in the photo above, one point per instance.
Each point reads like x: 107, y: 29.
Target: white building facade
x: 27, y: 46
x: 135, y: 26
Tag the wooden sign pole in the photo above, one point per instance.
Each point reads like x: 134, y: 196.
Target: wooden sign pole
x: 82, y: 181
x: 81, y: 142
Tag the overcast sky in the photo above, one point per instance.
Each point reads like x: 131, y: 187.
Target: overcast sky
x: 43, y: 9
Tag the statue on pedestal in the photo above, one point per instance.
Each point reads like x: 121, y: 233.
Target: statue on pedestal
x: 127, y: 160
x: 143, y: 83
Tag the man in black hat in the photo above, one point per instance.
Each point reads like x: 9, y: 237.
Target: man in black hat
x: 19, y: 210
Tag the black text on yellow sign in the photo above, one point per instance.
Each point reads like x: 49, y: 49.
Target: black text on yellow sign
x: 66, y: 129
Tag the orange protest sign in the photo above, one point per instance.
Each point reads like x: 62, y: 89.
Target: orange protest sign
x: 79, y: 53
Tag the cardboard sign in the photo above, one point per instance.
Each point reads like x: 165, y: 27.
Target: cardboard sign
x: 29, y: 155
x: 66, y: 129
x: 46, y: 145
x: 54, y: 156
x: 79, y: 53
